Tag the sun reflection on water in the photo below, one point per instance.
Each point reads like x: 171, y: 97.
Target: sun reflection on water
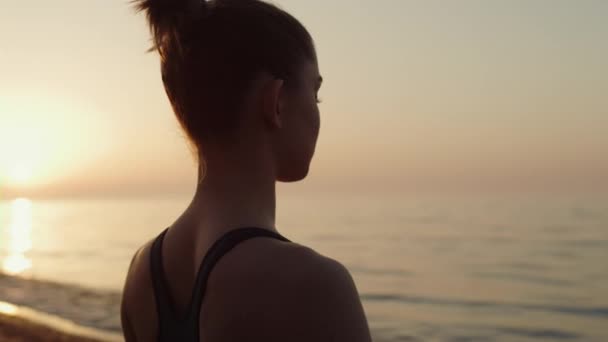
x: 19, y: 238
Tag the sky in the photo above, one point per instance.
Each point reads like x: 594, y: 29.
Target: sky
x: 419, y: 96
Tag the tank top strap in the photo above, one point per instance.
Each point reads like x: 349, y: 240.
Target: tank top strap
x: 222, y: 246
x: 167, y: 319
x: 172, y: 327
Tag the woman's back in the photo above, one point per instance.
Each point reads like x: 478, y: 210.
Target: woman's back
x: 262, y: 289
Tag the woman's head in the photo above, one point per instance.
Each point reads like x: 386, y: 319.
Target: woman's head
x: 236, y: 66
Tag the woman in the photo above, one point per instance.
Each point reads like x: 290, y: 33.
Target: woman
x: 242, y: 78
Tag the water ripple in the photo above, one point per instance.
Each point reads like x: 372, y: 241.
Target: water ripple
x: 597, y: 312
x: 381, y: 271
x: 538, y: 333
x: 524, y: 278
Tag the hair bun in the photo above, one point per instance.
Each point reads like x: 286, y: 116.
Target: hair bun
x: 167, y: 18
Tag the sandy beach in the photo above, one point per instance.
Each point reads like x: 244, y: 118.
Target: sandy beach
x: 15, y: 329
x: 67, y: 306
x: 24, y: 324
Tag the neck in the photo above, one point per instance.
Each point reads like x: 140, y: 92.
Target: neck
x: 235, y: 190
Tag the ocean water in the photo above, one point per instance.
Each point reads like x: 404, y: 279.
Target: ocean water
x: 451, y: 268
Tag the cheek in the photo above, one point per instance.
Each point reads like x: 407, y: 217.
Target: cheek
x: 317, y: 121
x: 309, y: 113
x: 301, y: 125
x: 309, y: 122
x: 299, y: 136
x: 296, y: 143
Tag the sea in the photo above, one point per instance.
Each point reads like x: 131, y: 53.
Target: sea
x: 515, y: 267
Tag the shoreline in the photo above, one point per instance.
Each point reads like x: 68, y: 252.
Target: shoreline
x: 83, y: 307
x: 19, y: 323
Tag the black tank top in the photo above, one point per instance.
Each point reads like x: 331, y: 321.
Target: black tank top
x: 172, y: 327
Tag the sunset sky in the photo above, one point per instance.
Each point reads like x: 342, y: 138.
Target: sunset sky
x: 422, y: 95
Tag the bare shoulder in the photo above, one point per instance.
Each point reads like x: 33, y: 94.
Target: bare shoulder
x: 137, y: 290
x: 138, y: 271
x: 289, y: 292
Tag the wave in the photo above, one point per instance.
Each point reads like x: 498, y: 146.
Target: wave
x: 596, y: 312
x: 97, y: 309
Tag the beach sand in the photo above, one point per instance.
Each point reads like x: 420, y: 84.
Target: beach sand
x: 35, y: 310
x: 24, y: 324
x: 16, y: 329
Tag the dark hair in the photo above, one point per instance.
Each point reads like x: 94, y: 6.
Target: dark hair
x: 212, y: 50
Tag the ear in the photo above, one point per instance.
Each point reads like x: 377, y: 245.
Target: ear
x: 273, y: 103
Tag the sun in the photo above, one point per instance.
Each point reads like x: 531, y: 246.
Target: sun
x: 42, y: 142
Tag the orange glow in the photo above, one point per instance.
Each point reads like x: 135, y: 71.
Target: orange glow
x: 40, y: 140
